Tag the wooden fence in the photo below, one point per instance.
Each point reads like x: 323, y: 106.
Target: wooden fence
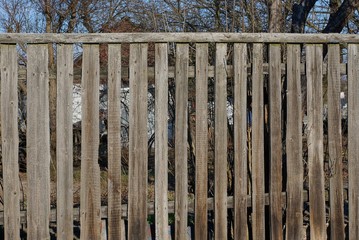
x: 264, y: 174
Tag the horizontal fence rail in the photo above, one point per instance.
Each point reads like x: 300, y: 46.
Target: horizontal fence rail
x: 177, y: 37
x: 250, y: 136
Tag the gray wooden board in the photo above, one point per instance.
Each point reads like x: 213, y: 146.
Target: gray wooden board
x: 201, y: 231
x: 38, y: 142
x: 353, y: 139
x: 294, y: 213
x: 220, y: 167
x: 314, y: 58
x: 258, y: 224
x: 10, y: 141
x: 335, y: 144
x: 181, y: 170
x: 90, y: 198
x: 240, y: 141
x: 137, y: 195
x: 114, y: 142
x: 64, y: 144
x: 275, y: 122
x: 161, y: 142
x: 177, y: 37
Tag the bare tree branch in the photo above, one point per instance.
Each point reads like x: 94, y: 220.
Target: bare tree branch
x: 340, y: 18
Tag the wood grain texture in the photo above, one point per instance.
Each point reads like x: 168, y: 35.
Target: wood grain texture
x: 294, y: 148
x: 177, y: 37
x: 240, y: 141
x: 90, y: 197
x: 114, y: 142
x: 258, y: 225
x: 335, y: 144
x: 137, y: 195
x: 37, y: 73
x: 64, y: 144
x: 275, y: 122
x: 10, y: 141
x: 201, y: 225
x: 161, y: 142
x: 181, y: 166
x: 38, y: 144
x: 220, y: 165
x: 314, y: 58
x: 353, y: 139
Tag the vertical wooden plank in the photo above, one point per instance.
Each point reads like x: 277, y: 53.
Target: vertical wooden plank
x: 90, y: 197
x: 220, y: 168
x: 64, y: 142
x: 201, y: 226
x: 10, y: 140
x: 114, y: 142
x: 161, y: 141
x: 123, y: 232
x: 240, y: 141
x: 38, y: 142
x: 137, y: 195
x: 275, y: 121
x: 258, y: 144
x: 294, y: 214
x: 314, y: 70
x: 335, y: 144
x: 181, y: 174
x: 353, y: 139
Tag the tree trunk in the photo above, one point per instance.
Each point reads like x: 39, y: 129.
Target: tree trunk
x: 275, y: 16
x: 300, y: 14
